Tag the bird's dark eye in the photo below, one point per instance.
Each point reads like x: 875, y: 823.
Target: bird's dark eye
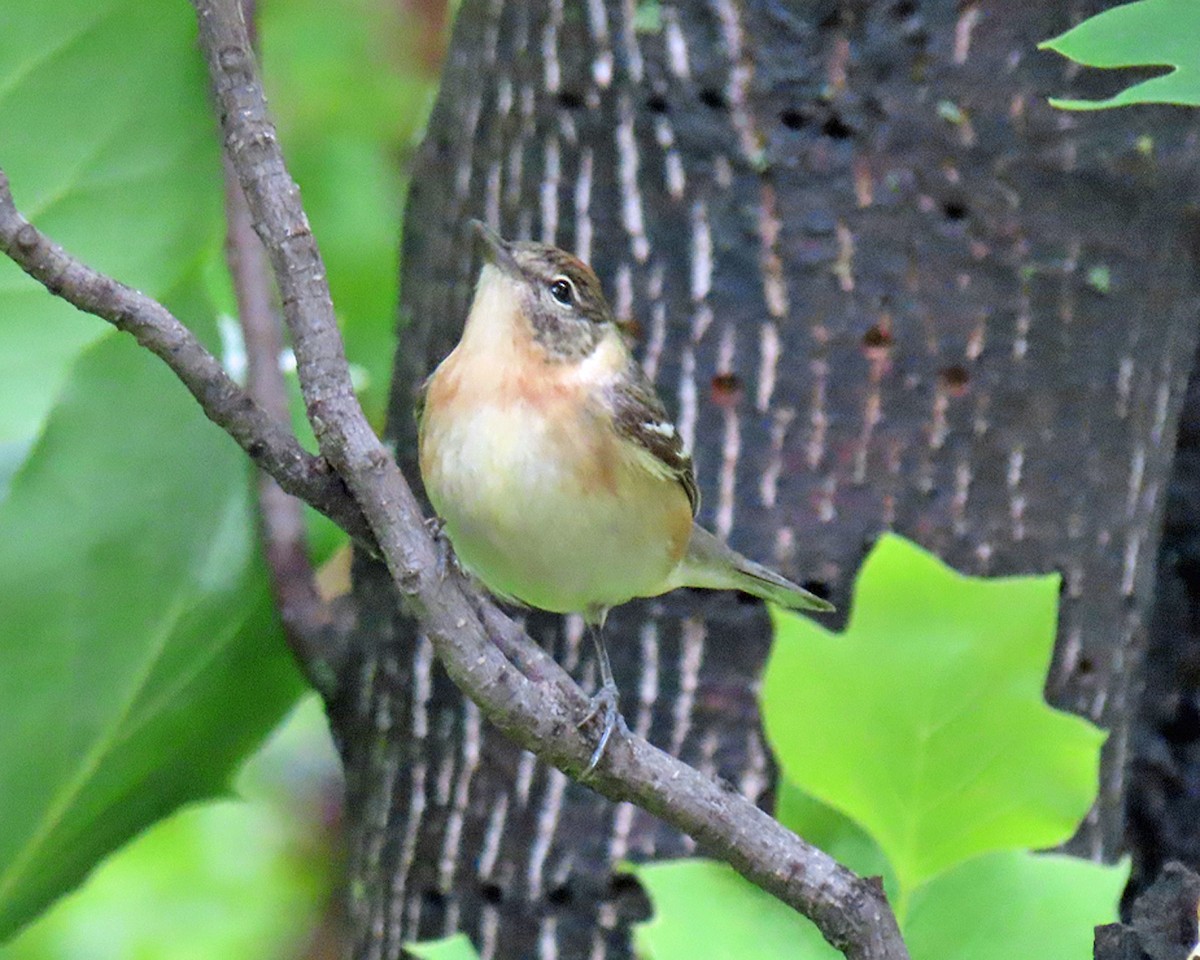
x: 562, y: 291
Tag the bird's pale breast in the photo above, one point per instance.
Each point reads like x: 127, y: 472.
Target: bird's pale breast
x: 542, y: 499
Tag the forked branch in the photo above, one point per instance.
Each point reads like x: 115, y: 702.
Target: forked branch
x: 538, y: 706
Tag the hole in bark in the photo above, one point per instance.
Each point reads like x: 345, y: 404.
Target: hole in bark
x: 712, y: 97
x: 877, y: 338
x: 904, y: 9
x: 955, y: 210
x: 1184, y: 727
x: 657, y: 103
x: 956, y: 378
x: 831, y: 20
x: 726, y: 387
x: 570, y: 99
x: 491, y: 893
x: 837, y: 128
x: 793, y: 119
x: 1086, y: 668
x: 560, y: 896
x: 623, y: 885
x: 818, y: 588
x: 434, y: 898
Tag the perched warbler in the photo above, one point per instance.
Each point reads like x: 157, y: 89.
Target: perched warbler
x: 559, y: 477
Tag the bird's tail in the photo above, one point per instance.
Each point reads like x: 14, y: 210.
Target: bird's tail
x: 710, y: 563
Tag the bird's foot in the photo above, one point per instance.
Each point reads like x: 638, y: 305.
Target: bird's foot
x: 603, y: 707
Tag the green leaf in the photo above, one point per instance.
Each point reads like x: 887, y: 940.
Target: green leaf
x: 924, y: 722
x: 704, y: 909
x: 110, y: 148
x: 1163, y: 33
x: 1014, y: 904
x: 244, y: 877
x: 457, y: 947
x: 647, y: 17
x: 995, y: 907
x: 139, y: 655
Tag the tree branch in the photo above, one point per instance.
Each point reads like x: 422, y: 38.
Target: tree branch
x: 541, y: 714
x: 540, y: 708
x: 307, y: 619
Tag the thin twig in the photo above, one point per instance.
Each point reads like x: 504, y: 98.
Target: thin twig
x: 307, y: 619
x: 541, y: 715
x: 268, y: 441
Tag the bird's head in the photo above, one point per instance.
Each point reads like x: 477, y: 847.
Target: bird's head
x: 555, y: 295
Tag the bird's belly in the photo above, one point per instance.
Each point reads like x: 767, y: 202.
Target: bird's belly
x: 541, y: 516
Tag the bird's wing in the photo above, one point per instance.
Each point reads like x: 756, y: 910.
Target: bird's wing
x: 640, y: 417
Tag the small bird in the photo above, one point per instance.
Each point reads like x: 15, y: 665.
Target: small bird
x: 560, y: 480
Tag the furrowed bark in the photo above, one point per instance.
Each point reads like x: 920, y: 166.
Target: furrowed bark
x: 882, y: 285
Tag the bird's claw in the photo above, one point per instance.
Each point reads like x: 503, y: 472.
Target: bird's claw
x: 603, y: 706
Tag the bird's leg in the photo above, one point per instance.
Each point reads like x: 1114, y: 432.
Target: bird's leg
x: 604, y: 703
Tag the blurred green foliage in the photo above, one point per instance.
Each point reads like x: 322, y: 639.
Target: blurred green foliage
x: 140, y: 659
x: 247, y: 876
x: 457, y: 947
x: 1150, y: 33
x: 351, y: 98
x: 114, y: 155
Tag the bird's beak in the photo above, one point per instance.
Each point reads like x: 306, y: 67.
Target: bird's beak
x: 496, y: 250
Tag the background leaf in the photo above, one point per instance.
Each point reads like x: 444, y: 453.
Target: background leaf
x: 110, y: 148
x: 1014, y: 904
x: 996, y: 907
x: 141, y: 657
x: 704, y: 909
x: 924, y: 722
x: 350, y: 100
x: 457, y: 947
x: 1149, y: 33
x: 249, y: 877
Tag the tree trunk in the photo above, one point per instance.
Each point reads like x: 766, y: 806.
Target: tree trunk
x: 882, y: 285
